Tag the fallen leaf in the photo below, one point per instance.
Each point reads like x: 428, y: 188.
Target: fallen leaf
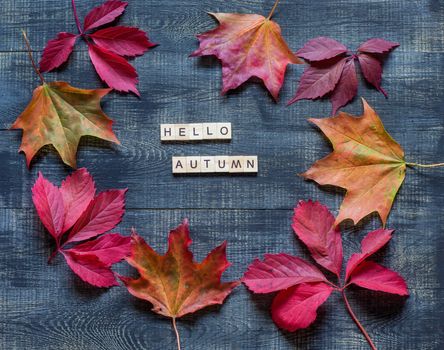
x: 75, y: 205
x: 295, y: 306
x: 59, y: 115
x: 106, y: 46
x: 365, y: 161
x: 332, y: 72
x: 174, y: 283
x: 248, y: 45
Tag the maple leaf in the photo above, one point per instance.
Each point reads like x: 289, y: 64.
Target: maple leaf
x: 73, y: 213
x: 174, y: 283
x: 248, y: 45
x: 106, y: 46
x: 332, y: 69
x: 302, y: 288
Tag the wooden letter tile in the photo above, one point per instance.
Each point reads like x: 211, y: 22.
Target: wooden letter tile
x: 222, y: 164
x: 207, y: 164
x: 195, y: 131
x: 250, y: 164
x: 210, y: 131
x: 224, y: 131
x: 193, y: 165
x: 182, y: 132
x: 167, y: 132
x: 179, y: 165
x: 236, y: 164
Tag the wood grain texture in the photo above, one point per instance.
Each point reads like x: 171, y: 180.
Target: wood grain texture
x: 47, y: 307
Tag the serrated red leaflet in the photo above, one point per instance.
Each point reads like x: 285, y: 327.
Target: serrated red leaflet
x: 57, y: 51
x: 103, y: 14
x: 346, y: 89
x: 321, y: 49
x: 372, y: 70
x: 377, y: 45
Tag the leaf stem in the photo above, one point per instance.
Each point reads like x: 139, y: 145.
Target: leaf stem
x: 426, y: 165
x: 34, y: 65
x: 76, y: 17
x: 273, y: 9
x: 360, y: 326
x: 177, y: 333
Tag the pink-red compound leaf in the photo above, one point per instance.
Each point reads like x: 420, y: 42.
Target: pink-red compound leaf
x: 371, y: 243
x: 90, y: 269
x: 320, y: 49
x: 317, y: 81
x: 113, y: 69
x: 57, y: 51
x: 295, y: 308
x: 102, y: 215
x: 347, y: 87
x: 372, y: 69
x: 377, y: 45
x: 315, y: 226
x: 279, y: 271
x: 110, y: 248
x: 123, y: 41
x: 48, y: 202
x: 78, y: 190
x: 103, y: 14
x: 371, y: 275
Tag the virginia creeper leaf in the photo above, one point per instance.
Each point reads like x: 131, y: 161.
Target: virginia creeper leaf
x: 295, y: 308
x: 174, y: 283
x: 372, y: 69
x: 74, y: 204
x: 103, y: 14
x: 377, y: 45
x: 57, y: 51
x: 301, y: 287
x: 365, y: 161
x: 248, y: 46
x: 314, y: 225
x: 321, y: 48
x: 279, y: 271
x: 346, y: 89
x: 59, y: 115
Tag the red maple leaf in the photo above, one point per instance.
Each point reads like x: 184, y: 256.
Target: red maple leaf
x: 73, y: 213
x: 302, y: 286
x: 332, y: 69
x: 107, y: 47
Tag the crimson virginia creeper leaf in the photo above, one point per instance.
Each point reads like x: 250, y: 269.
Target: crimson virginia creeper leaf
x: 374, y: 241
x: 295, y: 308
x: 366, y: 161
x: 123, y: 41
x: 110, y: 248
x: 329, y: 74
x: 321, y: 48
x: 90, y: 269
x: 74, y: 204
x: 106, y: 47
x: 174, y: 283
x: 302, y: 287
x: 316, y: 81
x: 59, y: 115
x: 57, y: 51
x: 78, y: 189
x: 314, y: 225
x: 48, y: 202
x: 103, y: 14
x: 373, y: 276
x: 103, y: 213
x: 248, y: 46
x: 279, y: 271
x: 377, y: 45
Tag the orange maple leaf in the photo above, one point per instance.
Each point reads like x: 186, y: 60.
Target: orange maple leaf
x: 174, y: 283
x: 365, y: 161
x: 248, y: 45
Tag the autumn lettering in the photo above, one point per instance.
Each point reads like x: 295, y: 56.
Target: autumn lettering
x: 215, y: 164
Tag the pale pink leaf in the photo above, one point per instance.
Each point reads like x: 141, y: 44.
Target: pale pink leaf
x: 48, y: 202
x: 90, y: 269
x: 371, y: 275
x: 318, y: 80
x: 110, y: 248
x: 279, y: 271
x: 372, y: 69
x: 377, y: 45
x: 102, y: 215
x: 321, y: 48
x: 124, y: 41
x: 371, y: 243
x: 78, y: 190
x: 314, y: 225
x: 113, y: 69
x: 347, y: 87
x: 103, y: 14
x: 295, y: 308
x: 57, y: 51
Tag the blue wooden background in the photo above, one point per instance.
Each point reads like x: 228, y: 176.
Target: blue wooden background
x: 47, y: 307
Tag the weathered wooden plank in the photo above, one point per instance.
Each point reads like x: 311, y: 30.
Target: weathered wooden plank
x: 46, y: 306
